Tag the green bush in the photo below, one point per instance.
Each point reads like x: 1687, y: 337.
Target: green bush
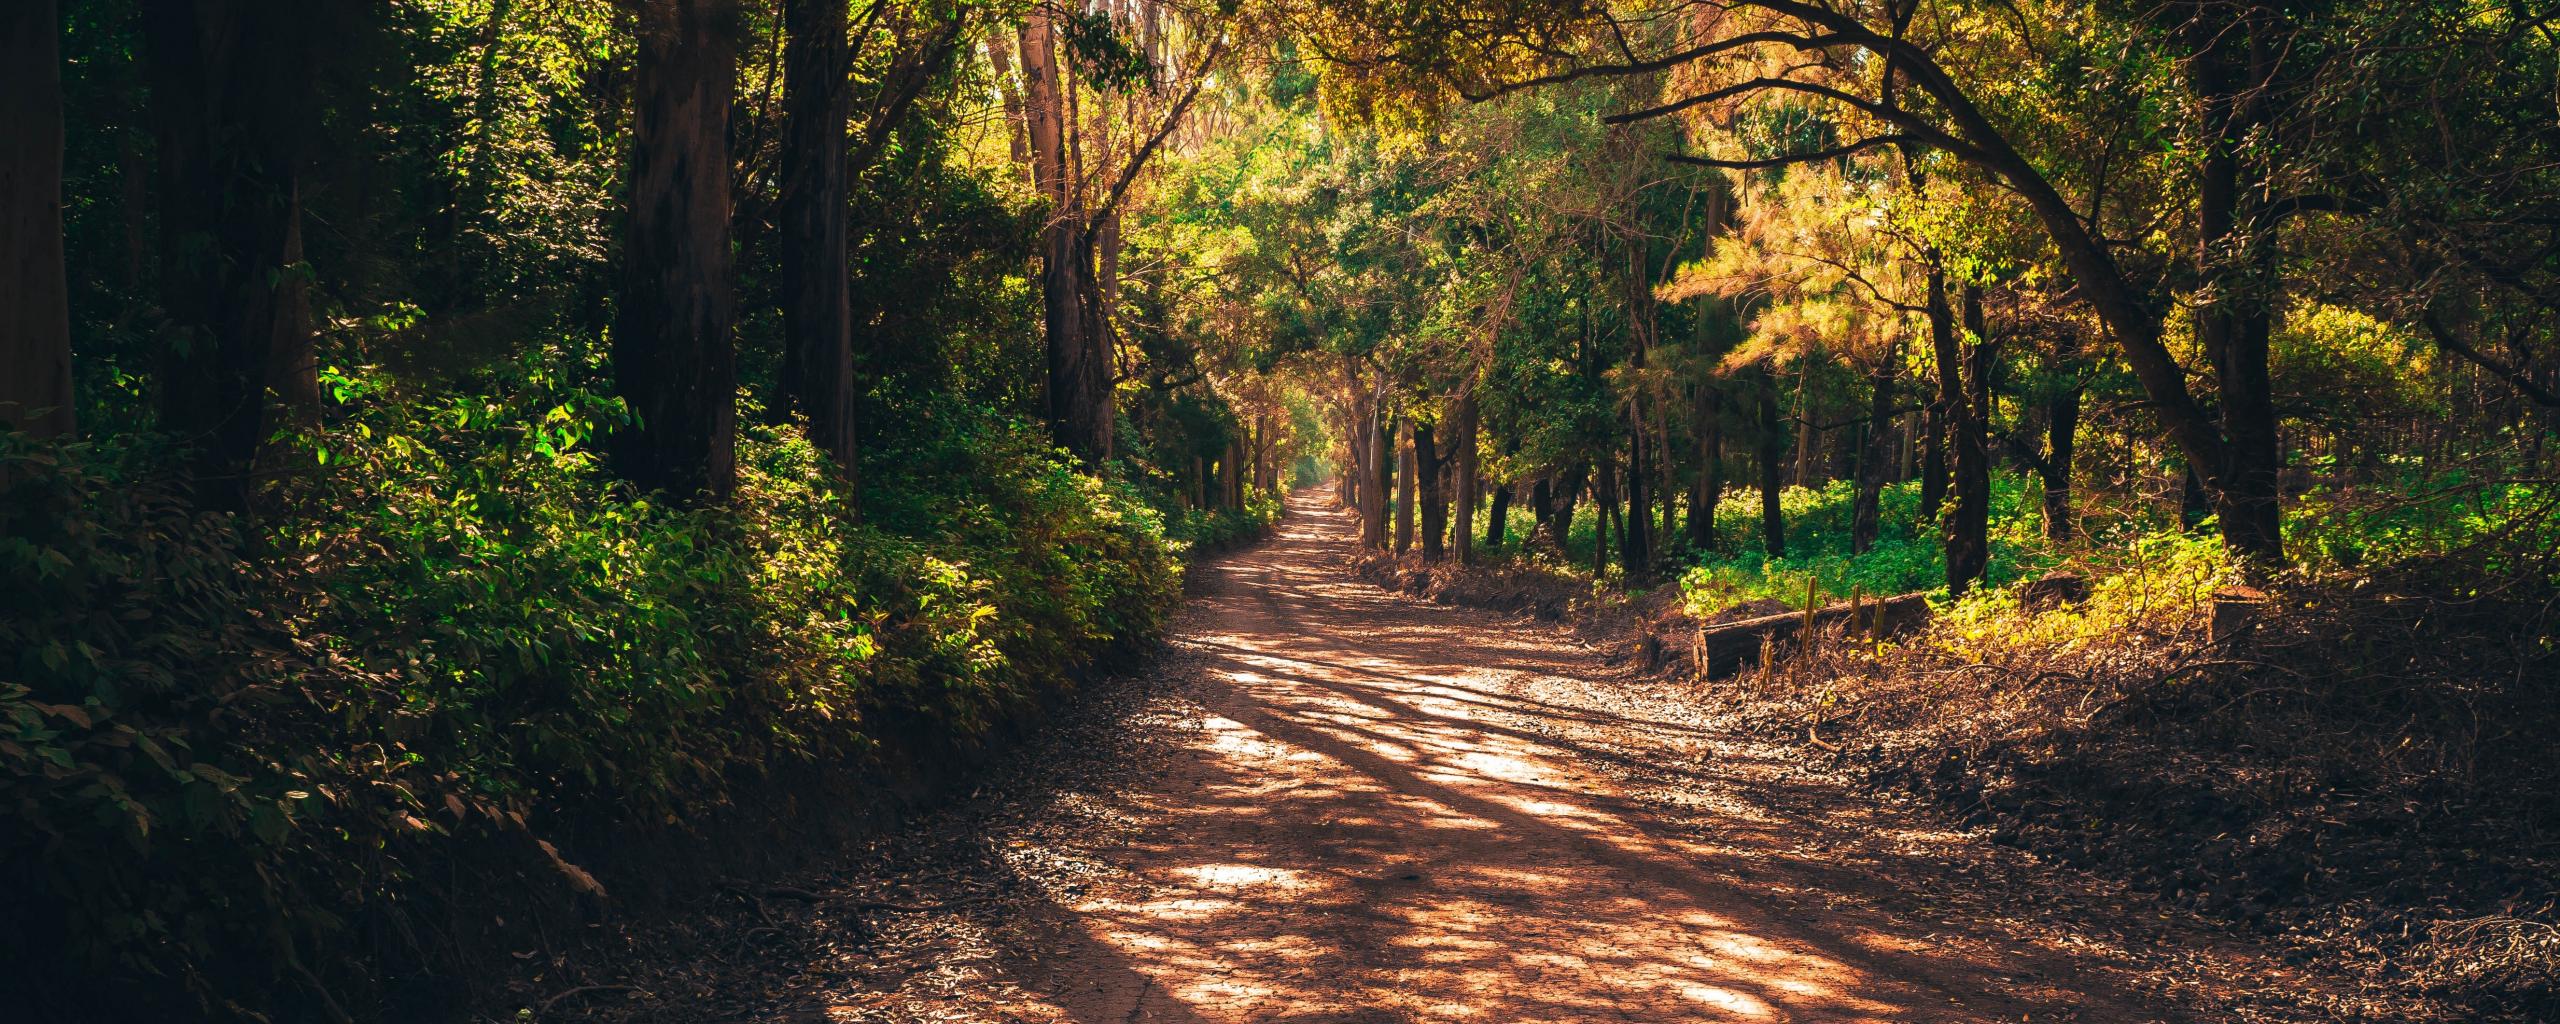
x: 1216, y: 529
x: 222, y: 741
x: 1908, y: 555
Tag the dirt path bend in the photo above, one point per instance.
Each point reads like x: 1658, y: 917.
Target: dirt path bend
x: 1351, y: 808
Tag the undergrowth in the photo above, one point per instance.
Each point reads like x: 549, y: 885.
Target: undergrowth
x: 227, y: 745
x: 2361, y: 774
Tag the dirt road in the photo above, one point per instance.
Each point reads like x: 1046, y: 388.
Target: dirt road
x: 1352, y: 808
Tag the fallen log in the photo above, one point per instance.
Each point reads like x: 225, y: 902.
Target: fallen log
x: 1728, y: 647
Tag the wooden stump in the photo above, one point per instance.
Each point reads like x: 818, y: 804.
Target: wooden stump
x: 2236, y: 610
x: 2053, y: 589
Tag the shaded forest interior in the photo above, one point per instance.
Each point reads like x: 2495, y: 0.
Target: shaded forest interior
x: 430, y: 430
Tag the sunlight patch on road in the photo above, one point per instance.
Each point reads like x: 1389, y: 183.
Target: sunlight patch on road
x: 1236, y: 876
x: 1727, y: 1000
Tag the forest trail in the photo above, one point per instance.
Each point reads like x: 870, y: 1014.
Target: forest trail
x: 1362, y: 809
x: 1398, y: 812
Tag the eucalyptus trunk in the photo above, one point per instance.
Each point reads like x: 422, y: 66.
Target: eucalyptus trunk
x: 1078, y: 383
x: 1430, y: 472
x: 1404, y: 492
x: 1373, y: 510
x: 817, y: 309
x: 673, y: 355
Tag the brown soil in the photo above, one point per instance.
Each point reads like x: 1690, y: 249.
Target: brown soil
x: 1332, y: 804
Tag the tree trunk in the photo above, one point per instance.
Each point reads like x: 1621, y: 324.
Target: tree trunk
x: 1604, y: 508
x: 35, y: 316
x: 2062, y: 427
x: 1404, y: 492
x: 1542, y: 506
x: 1079, y: 377
x: 231, y: 93
x: 1464, y: 475
x: 673, y: 354
x: 1874, y: 457
x: 1666, y: 485
x: 2236, y: 260
x: 1773, y: 447
x: 1231, y: 473
x: 1497, y: 519
x: 1635, y: 549
x: 1706, y: 489
x: 1373, y: 514
x: 1933, y: 461
x: 293, y: 355
x: 1808, y: 429
x: 817, y: 310
x: 1576, y: 482
x: 1430, y: 470
x: 1633, y: 552
x: 1009, y: 96
x: 1354, y: 462
x: 1968, y: 520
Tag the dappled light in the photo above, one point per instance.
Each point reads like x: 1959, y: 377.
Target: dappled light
x: 1380, y: 810
x: 1279, y: 511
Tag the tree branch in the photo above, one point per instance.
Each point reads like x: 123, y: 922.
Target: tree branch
x: 1662, y: 63
x: 1789, y: 159
x: 1138, y: 160
x: 2510, y: 373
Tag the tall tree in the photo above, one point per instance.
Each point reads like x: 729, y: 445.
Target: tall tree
x: 1405, y: 470
x: 1968, y: 522
x: 1875, y: 455
x: 235, y: 111
x: 1464, y: 469
x: 674, y: 355
x: 35, y: 312
x: 817, y: 312
x: 1379, y: 431
x: 1430, y: 473
x: 1911, y: 74
x: 1706, y: 485
x: 2232, y: 71
x: 1772, y: 438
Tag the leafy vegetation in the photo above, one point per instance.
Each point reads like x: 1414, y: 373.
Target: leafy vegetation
x: 424, y: 424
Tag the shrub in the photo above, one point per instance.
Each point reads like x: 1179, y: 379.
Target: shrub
x: 224, y: 742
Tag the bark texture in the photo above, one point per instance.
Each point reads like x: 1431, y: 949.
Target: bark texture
x: 673, y: 355
x: 817, y: 310
x: 1430, y: 472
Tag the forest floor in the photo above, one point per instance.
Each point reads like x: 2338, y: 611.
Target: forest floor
x: 1329, y: 803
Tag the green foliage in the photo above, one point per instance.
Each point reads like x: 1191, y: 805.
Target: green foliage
x: 251, y: 733
x: 2507, y: 524
x: 1906, y: 557
x: 1211, y: 530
